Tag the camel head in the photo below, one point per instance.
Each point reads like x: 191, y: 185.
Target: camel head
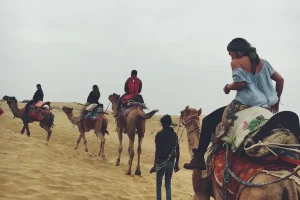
x: 9, y: 99
x: 113, y: 97
x: 67, y: 110
x: 189, y: 113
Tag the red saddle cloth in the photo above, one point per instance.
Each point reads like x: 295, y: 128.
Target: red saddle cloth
x: 244, y: 169
x: 36, y: 114
x: 128, y: 97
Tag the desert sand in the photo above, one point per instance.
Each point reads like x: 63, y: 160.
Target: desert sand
x: 31, y: 169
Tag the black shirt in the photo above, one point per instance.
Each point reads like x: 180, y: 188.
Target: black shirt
x: 38, y: 95
x: 93, y: 98
x: 165, y: 141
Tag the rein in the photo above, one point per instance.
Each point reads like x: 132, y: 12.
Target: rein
x: 191, y: 119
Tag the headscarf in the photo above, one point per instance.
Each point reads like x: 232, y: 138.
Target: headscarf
x: 241, y: 45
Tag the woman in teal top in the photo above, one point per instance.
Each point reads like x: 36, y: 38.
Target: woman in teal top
x: 252, y: 79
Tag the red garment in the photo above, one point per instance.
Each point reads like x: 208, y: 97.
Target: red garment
x: 127, y: 97
x: 133, y: 85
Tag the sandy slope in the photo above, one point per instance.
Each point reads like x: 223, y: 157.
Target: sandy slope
x: 31, y: 169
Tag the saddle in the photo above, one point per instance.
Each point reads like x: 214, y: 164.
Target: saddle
x: 138, y: 98
x: 93, y: 111
x: 43, y: 105
x: 260, y: 136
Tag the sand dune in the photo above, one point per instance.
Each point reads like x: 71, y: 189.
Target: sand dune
x: 31, y: 169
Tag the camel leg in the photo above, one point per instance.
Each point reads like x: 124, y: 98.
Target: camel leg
x: 49, y: 132
x: 27, y: 129
x: 85, y: 142
x: 120, y: 136
x: 23, y: 129
x: 47, y: 129
x: 79, y: 138
x: 139, y: 151
x: 102, y: 143
x: 131, y: 154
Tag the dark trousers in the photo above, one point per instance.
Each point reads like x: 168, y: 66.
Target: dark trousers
x: 209, y: 124
x: 28, y: 104
x: 166, y: 171
x: 119, y: 103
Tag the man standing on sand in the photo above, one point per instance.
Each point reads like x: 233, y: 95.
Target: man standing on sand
x: 167, y: 151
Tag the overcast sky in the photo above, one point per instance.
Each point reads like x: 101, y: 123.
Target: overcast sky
x: 178, y: 48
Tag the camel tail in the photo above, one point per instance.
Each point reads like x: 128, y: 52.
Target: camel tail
x: 148, y: 115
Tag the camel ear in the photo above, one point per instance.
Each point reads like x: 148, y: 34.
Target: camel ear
x: 199, y: 112
x: 186, y: 108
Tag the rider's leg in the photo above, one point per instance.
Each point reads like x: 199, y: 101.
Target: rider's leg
x: 209, y: 124
x: 119, y: 103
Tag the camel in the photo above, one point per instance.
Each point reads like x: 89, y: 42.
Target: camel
x: 46, y: 123
x: 205, y: 188
x: 99, y: 126
x: 135, y: 121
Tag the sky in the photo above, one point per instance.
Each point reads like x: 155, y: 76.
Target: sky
x: 177, y: 47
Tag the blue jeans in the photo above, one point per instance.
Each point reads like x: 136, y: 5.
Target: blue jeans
x: 167, y: 170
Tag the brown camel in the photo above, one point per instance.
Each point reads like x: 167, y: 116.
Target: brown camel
x: 99, y: 126
x: 135, y: 121
x: 205, y: 188
x: 46, y: 123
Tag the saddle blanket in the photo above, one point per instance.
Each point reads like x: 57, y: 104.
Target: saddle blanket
x: 92, y: 112
x: 244, y: 169
x: 37, y: 113
x: 125, y: 110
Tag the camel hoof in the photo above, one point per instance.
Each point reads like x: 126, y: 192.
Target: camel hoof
x: 138, y: 172
x: 103, y: 156
x: 128, y: 173
x: 75, y: 147
x: 86, y: 150
x: 117, y: 162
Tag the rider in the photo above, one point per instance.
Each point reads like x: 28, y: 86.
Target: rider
x: 93, y: 98
x: 133, y: 85
x: 252, y: 79
x: 38, y: 96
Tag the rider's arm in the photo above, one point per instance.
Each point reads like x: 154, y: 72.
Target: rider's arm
x: 140, y: 87
x: 235, y: 85
x: 279, y: 83
x: 126, y: 89
x: 177, y: 152
x: 156, y: 149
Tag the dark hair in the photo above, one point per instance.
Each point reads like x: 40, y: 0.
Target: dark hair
x: 166, y: 121
x: 243, y: 48
x: 133, y: 73
x: 96, y: 90
x: 38, y: 85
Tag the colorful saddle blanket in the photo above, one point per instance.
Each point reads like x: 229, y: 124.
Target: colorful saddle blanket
x: 244, y: 169
x: 92, y: 112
